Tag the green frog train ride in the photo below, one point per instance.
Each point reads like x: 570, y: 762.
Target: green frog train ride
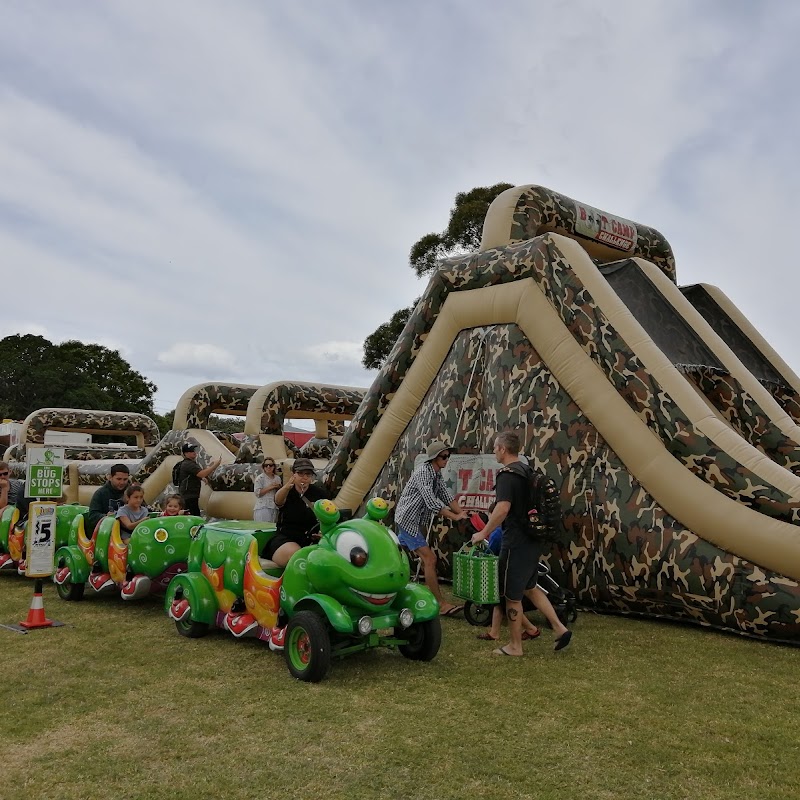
x: 348, y: 593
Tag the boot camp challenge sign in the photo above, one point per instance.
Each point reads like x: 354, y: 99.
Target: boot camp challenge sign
x: 470, y: 478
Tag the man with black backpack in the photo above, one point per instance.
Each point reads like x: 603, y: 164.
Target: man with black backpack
x: 186, y: 475
x: 523, y: 544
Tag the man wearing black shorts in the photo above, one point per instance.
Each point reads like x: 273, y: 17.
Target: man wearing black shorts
x: 520, y: 553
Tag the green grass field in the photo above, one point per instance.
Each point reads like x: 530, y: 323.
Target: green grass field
x: 117, y: 705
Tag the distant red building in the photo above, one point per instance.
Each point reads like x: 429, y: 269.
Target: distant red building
x: 298, y: 438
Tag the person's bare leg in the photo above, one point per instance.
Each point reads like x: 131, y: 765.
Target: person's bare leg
x: 497, y: 621
x: 542, y: 602
x: 428, y: 558
x: 513, y: 615
x: 528, y: 627
x: 282, y: 555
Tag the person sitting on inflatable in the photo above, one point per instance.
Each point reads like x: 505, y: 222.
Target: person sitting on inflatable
x: 295, y: 501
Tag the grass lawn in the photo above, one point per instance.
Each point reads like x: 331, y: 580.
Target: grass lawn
x: 117, y: 705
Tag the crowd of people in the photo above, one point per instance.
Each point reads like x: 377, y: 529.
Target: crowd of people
x: 425, y: 497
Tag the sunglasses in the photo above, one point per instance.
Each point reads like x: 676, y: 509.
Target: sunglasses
x: 4, y: 474
x: 444, y: 456
x: 268, y: 465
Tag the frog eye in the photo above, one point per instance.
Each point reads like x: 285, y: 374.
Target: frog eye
x: 394, y: 536
x: 161, y: 535
x: 352, y: 547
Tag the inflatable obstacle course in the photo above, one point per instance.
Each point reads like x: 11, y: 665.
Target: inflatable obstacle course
x: 675, y: 465
x: 667, y: 422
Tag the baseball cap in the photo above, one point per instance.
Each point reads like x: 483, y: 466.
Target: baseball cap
x: 189, y: 448
x: 434, y: 449
x: 303, y: 464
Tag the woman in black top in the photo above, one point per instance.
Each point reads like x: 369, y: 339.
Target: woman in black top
x: 296, y: 519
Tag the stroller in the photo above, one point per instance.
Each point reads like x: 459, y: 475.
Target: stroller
x: 563, y: 600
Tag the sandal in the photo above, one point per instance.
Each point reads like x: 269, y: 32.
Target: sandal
x: 563, y: 640
x: 531, y: 635
x: 487, y: 637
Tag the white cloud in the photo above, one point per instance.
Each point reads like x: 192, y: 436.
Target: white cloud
x: 349, y: 353
x: 238, y: 169
x: 192, y: 358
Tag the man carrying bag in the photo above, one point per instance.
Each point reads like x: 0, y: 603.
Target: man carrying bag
x: 522, y: 547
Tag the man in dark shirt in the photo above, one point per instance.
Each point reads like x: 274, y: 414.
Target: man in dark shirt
x: 296, y: 519
x: 519, y: 553
x: 190, y: 475
x: 109, y: 497
x: 12, y: 491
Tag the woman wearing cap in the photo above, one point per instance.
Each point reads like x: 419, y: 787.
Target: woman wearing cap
x: 295, y: 500
x: 424, y: 496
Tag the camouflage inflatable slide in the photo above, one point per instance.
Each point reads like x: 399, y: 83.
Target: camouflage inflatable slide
x: 667, y: 421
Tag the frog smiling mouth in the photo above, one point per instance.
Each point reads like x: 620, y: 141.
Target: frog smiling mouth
x: 375, y: 598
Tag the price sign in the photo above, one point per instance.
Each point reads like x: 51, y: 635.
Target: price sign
x: 40, y: 540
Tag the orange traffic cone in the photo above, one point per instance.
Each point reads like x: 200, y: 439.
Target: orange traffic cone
x: 36, y: 617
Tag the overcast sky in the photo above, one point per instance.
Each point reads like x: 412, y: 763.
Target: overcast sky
x: 229, y: 190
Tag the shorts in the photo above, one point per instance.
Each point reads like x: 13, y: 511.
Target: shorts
x: 277, y: 541
x: 411, y: 541
x: 519, y: 570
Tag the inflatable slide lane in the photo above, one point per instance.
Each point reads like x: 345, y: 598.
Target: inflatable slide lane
x: 675, y: 462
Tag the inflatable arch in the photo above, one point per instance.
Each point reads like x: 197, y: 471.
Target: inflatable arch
x: 231, y: 485
x: 229, y: 490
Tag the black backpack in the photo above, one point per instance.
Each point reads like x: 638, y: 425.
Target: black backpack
x: 544, y: 516
x: 176, y: 474
x: 544, y: 504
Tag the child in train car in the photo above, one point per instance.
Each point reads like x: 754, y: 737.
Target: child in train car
x: 173, y: 506
x: 133, y: 512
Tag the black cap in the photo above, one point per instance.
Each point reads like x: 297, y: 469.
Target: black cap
x: 189, y: 448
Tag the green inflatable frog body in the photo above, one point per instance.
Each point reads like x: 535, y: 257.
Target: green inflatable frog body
x: 347, y: 593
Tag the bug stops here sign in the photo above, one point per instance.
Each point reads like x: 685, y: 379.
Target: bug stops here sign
x: 45, y: 471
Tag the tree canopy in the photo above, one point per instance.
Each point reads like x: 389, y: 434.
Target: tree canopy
x: 40, y: 374
x: 378, y: 344
x: 462, y: 235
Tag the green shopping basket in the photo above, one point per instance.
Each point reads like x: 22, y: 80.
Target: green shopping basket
x: 475, y: 575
